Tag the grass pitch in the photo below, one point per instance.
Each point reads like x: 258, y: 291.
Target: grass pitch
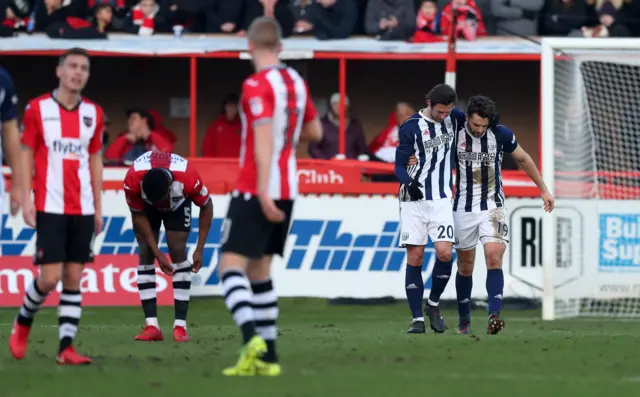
x: 331, y: 351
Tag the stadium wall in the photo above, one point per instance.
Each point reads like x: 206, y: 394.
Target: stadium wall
x: 337, y: 243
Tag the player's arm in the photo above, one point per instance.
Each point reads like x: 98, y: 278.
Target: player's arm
x: 525, y: 162
x: 133, y: 195
x: 199, y: 195
x: 406, y: 143
x: 31, y: 141
x: 311, y: 127
x: 11, y: 140
x: 96, y: 167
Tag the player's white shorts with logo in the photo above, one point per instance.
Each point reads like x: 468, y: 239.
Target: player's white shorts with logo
x: 484, y: 226
x: 421, y: 220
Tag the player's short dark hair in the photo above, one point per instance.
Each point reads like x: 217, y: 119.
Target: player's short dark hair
x: 155, y: 184
x: 142, y: 112
x: 482, y: 106
x: 73, y: 51
x: 442, y: 94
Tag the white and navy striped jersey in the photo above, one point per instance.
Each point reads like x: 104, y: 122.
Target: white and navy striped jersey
x: 479, y: 168
x: 430, y: 142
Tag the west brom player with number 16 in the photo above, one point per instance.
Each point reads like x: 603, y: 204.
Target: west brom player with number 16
x: 425, y: 199
x: 479, y: 204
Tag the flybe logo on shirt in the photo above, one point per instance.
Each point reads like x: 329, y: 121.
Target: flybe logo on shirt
x: 67, y: 147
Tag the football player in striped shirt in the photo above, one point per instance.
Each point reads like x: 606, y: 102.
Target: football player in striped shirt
x: 479, y: 204
x: 425, y: 199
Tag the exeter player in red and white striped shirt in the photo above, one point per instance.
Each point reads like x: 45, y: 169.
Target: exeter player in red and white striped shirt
x: 276, y: 112
x: 62, y: 143
x: 160, y: 188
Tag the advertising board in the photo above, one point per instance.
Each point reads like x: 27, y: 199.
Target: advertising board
x: 348, y: 247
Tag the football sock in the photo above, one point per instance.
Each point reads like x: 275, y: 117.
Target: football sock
x: 414, y: 288
x: 33, y: 299
x: 439, y: 279
x: 181, y: 292
x: 265, y: 312
x: 464, y: 284
x: 69, y: 313
x: 147, y: 292
x: 237, y: 297
x: 495, y: 287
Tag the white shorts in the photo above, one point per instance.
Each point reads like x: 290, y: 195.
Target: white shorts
x: 420, y: 220
x: 486, y: 226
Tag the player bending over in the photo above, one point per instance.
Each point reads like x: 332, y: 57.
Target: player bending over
x: 160, y: 188
x: 479, y: 205
x: 62, y: 141
x: 276, y: 111
x: 425, y: 200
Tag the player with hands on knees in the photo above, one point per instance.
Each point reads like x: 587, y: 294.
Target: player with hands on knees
x: 159, y: 188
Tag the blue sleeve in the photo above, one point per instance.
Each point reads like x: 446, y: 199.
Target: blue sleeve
x: 458, y: 116
x: 8, y: 98
x: 406, y: 142
x: 506, y: 138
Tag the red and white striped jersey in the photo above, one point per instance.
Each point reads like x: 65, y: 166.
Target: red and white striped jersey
x: 280, y: 96
x: 62, y: 141
x: 186, y: 182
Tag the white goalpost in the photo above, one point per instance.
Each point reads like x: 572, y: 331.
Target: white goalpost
x: 591, y: 164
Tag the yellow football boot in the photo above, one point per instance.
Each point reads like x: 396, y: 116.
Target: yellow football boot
x: 250, y: 353
x: 267, y: 369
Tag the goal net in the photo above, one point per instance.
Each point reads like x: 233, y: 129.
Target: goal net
x: 591, y: 163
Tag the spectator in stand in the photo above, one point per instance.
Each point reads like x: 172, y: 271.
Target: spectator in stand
x: 427, y: 23
x: 159, y: 127
x: 468, y: 23
x: 519, y: 17
x: 612, y: 19
x: 355, y: 145
x: 50, y: 12
x: 329, y: 19
x: 222, y: 16
x: 390, y: 19
x: 280, y: 10
x: 139, y: 139
x: 224, y: 135
x: 13, y: 16
x: 148, y: 17
x: 300, y: 10
x: 564, y: 17
x: 383, y: 146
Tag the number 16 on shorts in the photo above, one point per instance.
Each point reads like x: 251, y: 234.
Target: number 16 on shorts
x: 421, y: 220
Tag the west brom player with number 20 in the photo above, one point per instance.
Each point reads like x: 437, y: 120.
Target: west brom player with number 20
x: 425, y: 200
x: 479, y: 204
x: 160, y: 188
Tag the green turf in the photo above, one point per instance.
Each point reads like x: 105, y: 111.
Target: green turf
x: 331, y: 351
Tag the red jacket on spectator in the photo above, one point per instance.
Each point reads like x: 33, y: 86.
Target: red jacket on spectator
x: 468, y: 24
x: 426, y: 29
x: 146, y: 23
x: 223, y: 138
x: 383, y: 146
x: 160, y: 128
x: 121, y: 146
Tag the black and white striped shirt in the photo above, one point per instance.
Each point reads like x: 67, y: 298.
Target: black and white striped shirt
x: 430, y: 142
x: 479, y: 168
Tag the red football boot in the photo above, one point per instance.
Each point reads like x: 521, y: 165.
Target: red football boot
x: 18, y: 340
x: 69, y: 356
x: 150, y: 334
x: 180, y: 334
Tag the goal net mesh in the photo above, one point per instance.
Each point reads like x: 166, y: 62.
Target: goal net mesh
x: 597, y: 152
